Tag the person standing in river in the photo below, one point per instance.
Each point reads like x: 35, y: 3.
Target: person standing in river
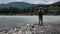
x: 40, y: 13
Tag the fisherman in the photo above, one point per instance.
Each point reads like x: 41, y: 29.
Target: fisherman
x: 40, y: 13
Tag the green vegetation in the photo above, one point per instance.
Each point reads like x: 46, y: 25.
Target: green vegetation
x: 48, y: 10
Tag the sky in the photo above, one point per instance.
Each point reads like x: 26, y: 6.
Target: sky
x: 30, y: 1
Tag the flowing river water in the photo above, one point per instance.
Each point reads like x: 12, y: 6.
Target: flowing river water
x: 13, y: 21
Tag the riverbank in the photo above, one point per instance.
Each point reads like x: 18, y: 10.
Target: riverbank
x: 28, y: 15
x: 25, y: 15
x: 32, y: 29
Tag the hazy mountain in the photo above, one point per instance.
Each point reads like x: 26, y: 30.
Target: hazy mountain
x: 56, y: 4
x: 17, y: 4
x: 26, y: 5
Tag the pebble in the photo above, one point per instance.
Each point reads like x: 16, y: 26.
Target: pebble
x: 29, y: 29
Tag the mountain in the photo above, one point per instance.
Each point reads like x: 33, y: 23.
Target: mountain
x: 18, y: 4
x: 57, y: 4
x: 26, y: 5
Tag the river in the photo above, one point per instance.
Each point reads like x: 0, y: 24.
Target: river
x: 13, y: 21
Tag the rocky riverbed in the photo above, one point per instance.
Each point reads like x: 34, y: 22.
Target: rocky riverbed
x: 32, y: 29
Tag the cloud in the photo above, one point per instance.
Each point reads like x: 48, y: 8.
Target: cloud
x: 8, y: 1
x: 41, y: 1
x: 30, y: 1
x: 51, y: 1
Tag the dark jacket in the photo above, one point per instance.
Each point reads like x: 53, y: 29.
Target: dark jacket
x: 40, y: 12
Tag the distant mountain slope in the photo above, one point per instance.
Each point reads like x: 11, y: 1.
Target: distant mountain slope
x: 27, y: 5
x: 56, y: 4
x: 17, y: 4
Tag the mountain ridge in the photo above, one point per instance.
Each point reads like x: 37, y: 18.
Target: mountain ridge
x: 17, y: 4
x: 26, y: 5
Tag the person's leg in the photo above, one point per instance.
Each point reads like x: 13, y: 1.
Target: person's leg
x: 41, y: 19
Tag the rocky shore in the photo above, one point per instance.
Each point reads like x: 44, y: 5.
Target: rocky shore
x: 32, y: 29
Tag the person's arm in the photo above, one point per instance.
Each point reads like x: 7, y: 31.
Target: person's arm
x: 42, y: 11
x: 38, y: 11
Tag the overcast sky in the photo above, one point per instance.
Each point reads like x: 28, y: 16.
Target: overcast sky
x: 30, y: 1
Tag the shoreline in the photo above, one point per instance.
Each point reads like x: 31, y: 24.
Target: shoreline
x: 29, y: 15
x: 32, y: 29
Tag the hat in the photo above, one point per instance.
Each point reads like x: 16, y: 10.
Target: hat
x: 40, y: 7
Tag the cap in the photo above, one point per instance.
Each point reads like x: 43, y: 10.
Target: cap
x: 40, y: 7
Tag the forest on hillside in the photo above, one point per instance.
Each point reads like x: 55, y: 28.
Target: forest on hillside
x: 48, y: 10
